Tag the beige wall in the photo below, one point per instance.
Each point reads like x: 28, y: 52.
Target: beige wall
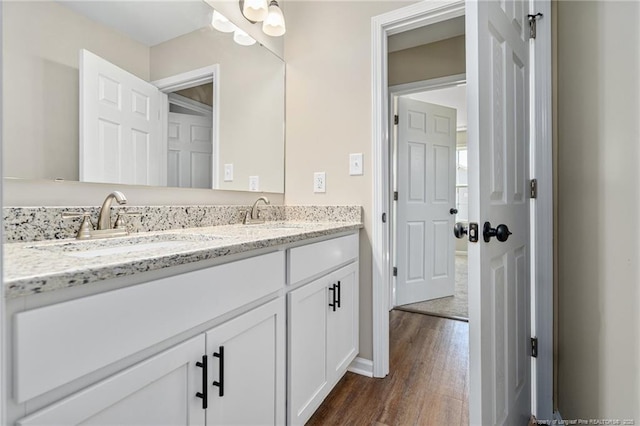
x: 40, y: 84
x: 433, y: 60
x: 327, y: 50
x: 251, y: 132
x: 599, y: 207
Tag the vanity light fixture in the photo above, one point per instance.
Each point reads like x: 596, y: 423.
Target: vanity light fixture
x: 274, y: 25
x: 255, y: 10
x: 271, y: 16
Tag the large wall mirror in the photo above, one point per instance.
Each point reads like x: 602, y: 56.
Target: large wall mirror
x: 138, y: 92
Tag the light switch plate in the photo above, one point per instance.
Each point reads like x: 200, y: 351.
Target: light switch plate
x: 254, y: 183
x: 319, y: 182
x: 228, y: 172
x: 355, y: 164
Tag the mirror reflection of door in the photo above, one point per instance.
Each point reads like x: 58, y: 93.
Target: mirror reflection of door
x: 190, y: 132
x: 121, y: 137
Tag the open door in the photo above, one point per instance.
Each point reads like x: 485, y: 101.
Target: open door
x: 499, y: 271
x: 426, y: 197
x: 120, y: 127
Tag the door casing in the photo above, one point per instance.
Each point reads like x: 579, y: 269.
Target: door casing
x: 541, y: 168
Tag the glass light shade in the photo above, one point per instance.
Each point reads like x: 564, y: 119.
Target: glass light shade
x: 242, y: 38
x: 221, y: 23
x: 274, y: 24
x: 255, y: 10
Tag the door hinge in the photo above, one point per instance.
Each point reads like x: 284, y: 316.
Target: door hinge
x: 532, y: 24
x: 534, y: 347
x: 395, y: 271
x: 396, y: 119
x: 533, y: 188
x: 395, y: 195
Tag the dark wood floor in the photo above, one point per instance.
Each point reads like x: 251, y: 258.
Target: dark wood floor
x: 428, y: 383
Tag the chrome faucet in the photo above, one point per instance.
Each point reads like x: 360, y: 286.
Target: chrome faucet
x: 104, y: 219
x: 252, y: 215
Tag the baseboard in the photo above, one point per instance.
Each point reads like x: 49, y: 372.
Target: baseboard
x: 361, y: 366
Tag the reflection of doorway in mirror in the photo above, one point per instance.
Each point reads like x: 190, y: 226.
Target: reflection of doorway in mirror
x: 189, y: 137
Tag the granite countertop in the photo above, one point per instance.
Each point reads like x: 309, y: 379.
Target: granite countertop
x: 37, y: 267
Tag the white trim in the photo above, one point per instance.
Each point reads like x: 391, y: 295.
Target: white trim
x: 425, y: 85
x: 542, y: 214
x: 208, y: 74
x: 404, y: 19
x: 190, y: 104
x: 361, y: 366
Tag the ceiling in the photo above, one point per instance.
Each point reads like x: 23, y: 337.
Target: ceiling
x: 425, y: 35
x: 453, y: 97
x: 148, y: 22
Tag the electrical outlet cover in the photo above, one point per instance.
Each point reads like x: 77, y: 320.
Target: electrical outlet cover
x: 254, y: 183
x: 355, y: 164
x: 228, y: 172
x: 319, y: 182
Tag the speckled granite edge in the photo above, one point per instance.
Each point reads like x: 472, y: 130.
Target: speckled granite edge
x: 26, y: 224
x: 45, y: 267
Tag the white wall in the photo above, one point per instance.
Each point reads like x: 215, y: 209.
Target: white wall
x: 599, y: 208
x: 251, y: 109
x: 40, y: 72
x: 327, y: 50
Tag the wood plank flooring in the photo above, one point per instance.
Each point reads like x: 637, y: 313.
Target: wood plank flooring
x: 428, y: 383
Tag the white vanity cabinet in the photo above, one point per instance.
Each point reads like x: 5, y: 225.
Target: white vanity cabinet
x: 247, y: 368
x: 243, y: 301
x: 158, y: 391
x: 323, y: 324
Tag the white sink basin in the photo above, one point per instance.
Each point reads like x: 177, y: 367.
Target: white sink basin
x: 110, y: 251
x: 123, y: 245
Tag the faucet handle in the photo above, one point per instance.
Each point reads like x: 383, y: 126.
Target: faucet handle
x: 120, y: 220
x: 84, y: 233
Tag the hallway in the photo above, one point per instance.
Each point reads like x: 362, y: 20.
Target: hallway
x: 427, y: 385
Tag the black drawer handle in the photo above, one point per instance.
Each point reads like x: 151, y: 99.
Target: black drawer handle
x: 203, y: 394
x: 339, y: 295
x: 220, y: 382
x: 335, y: 302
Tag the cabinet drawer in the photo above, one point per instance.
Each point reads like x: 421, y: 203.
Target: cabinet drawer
x: 313, y: 260
x: 59, y: 343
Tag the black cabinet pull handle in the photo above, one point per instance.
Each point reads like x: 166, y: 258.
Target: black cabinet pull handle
x: 203, y: 394
x: 333, y: 304
x: 339, y: 295
x: 220, y: 382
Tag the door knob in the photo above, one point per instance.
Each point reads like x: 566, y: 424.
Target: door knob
x: 501, y: 232
x: 459, y: 230
x: 453, y: 211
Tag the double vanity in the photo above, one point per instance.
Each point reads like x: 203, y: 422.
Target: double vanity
x: 227, y: 324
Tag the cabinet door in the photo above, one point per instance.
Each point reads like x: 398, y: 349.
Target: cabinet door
x: 159, y: 391
x: 308, y: 380
x: 342, y: 322
x: 247, y: 365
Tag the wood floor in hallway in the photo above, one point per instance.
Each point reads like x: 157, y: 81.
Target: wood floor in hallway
x: 428, y: 383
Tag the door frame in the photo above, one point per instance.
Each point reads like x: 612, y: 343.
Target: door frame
x: 542, y: 266
x: 185, y: 80
x: 395, y: 92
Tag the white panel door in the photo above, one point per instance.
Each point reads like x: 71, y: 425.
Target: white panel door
x: 120, y: 133
x: 499, y: 276
x: 426, y: 193
x: 247, y: 364
x: 190, y: 151
x: 159, y: 391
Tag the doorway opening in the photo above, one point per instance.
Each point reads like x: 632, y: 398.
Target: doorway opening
x: 431, y: 273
